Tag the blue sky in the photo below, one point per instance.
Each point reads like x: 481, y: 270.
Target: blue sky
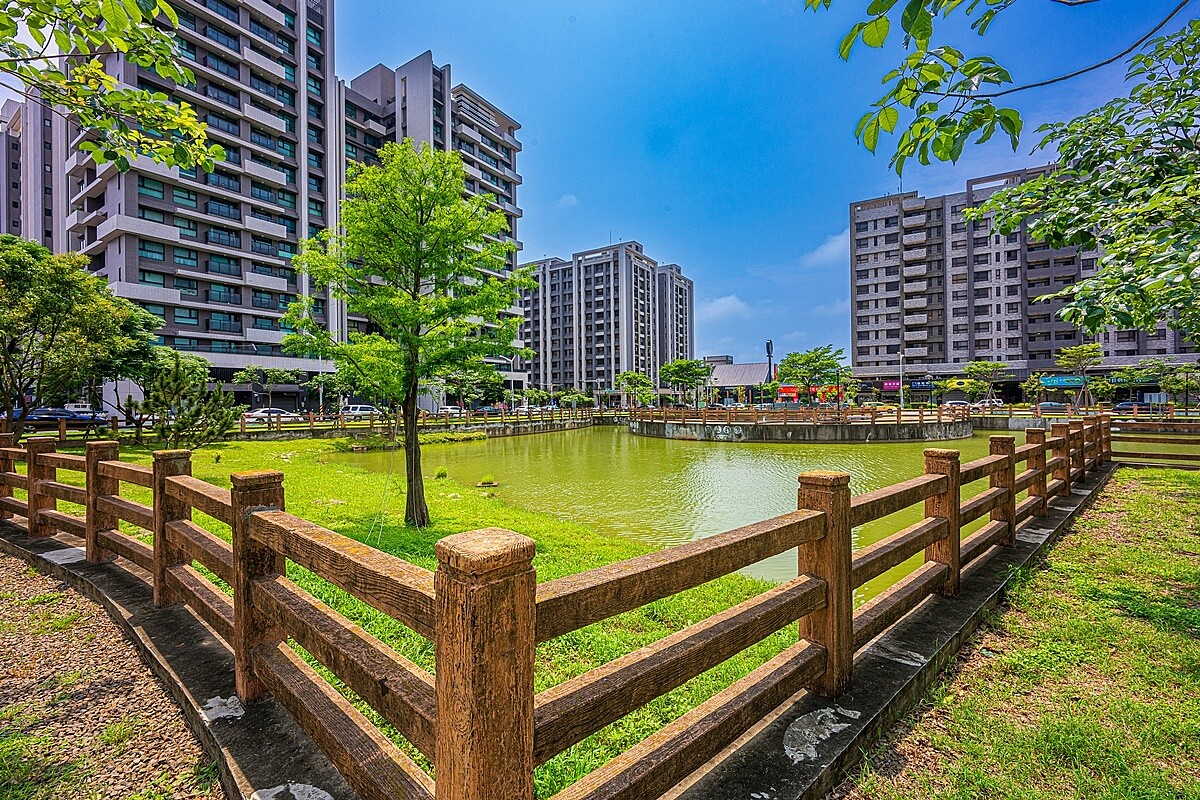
x: 719, y: 134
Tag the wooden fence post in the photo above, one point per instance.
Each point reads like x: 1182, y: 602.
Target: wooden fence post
x: 37, y: 473
x: 1076, y: 439
x: 62, y: 430
x: 1037, y: 460
x: 252, y: 491
x: 1005, y: 478
x: 1106, y: 437
x: 167, y: 463
x: 1061, y: 430
x: 98, y: 485
x: 945, y: 506
x: 6, y: 465
x: 112, y: 424
x: 485, y: 593
x: 829, y: 558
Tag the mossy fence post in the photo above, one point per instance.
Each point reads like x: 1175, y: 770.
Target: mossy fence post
x: 1005, y: 478
x: 6, y: 465
x: 485, y: 593
x: 39, y: 501
x: 258, y: 490
x: 98, y: 485
x: 945, y: 506
x: 1037, y: 461
x: 167, y: 464
x: 829, y: 558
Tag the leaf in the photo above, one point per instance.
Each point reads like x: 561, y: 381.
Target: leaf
x: 876, y: 32
x: 848, y: 42
x: 888, y: 117
x: 917, y: 22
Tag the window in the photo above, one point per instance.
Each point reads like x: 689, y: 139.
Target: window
x: 151, y: 278
x: 314, y: 85
x: 187, y: 287
x: 316, y: 184
x: 316, y: 160
x: 184, y: 197
x: 286, y: 148
x: 286, y: 199
x: 187, y: 316
x: 150, y: 187
x: 223, y: 123
x: 286, y: 96
x: 351, y: 151
x: 187, y: 227
x: 859, y: 227
x: 186, y: 257
x: 152, y: 214
x: 313, y: 35
x: 224, y: 266
x: 221, y: 37
x: 156, y: 310
x: 155, y: 251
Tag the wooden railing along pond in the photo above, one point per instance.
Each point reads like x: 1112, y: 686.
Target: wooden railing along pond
x: 802, y: 415
x: 477, y: 717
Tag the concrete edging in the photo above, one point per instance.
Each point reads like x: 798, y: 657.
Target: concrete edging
x: 807, y: 746
x: 260, y: 751
x: 802, y: 433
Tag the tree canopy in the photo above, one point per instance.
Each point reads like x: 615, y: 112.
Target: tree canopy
x: 686, y: 375
x: 419, y: 261
x: 987, y: 372
x: 940, y: 96
x: 816, y: 367
x: 53, y: 53
x: 62, y: 328
x: 1128, y: 185
x: 1078, y: 360
x: 637, y: 384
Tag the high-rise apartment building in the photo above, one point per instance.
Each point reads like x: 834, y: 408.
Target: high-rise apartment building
x: 210, y: 252
x: 606, y: 311
x: 33, y: 143
x: 419, y: 101
x: 942, y: 291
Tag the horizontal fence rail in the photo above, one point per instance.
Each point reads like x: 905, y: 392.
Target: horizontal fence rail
x: 477, y: 718
x: 801, y: 415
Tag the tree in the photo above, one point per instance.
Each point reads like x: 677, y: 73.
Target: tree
x: 60, y: 327
x: 270, y: 378
x: 161, y: 359
x: 637, y: 384
x: 815, y: 367
x: 989, y: 372
x: 1102, y: 389
x: 574, y: 398
x: 53, y: 53
x: 185, y: 411
x: 1128, y: 185
x: 1183, y: 381
x: 768, y: 391
x: 473, y: 381
x: 418, y: 259
x: 1078, y: 360
x: 1031, y: 387
x: 973, y: 389
x: 944, y: 95
x: 336, y: 384
x: 686, y: 375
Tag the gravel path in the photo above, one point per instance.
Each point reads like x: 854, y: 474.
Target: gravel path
x: 80, y: 715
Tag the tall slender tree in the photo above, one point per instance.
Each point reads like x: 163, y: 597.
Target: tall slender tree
x: 418, y: 259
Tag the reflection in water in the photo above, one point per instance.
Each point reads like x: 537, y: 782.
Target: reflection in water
x: 666, y: 492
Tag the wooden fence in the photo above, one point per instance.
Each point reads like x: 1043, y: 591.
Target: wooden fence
x: 477, y: 718
x: 1174, y: 443
x: 803, y: 415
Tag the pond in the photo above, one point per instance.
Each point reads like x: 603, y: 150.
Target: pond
x: 666, y: 492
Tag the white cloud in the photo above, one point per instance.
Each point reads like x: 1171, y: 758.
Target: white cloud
x: 567, y: 201
x: 833, y: 252
x: 721, y: 309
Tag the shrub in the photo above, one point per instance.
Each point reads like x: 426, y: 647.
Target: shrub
x: 489, y: 478
x: 441, y: 473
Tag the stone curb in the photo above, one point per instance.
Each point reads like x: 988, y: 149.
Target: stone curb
x: 805, y: 748
x: 260, y: 751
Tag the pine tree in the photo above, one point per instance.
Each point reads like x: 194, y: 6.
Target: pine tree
x: 185, y: 412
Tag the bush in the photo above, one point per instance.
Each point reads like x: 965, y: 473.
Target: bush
x: 487, y: 480
x: 442, y: 473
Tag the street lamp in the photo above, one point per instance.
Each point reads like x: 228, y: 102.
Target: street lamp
x: 901, y: 376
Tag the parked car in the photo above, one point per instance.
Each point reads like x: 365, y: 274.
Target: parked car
x: 359, y: 412
x: 454, y: 411
x: 1052, y: 408
x: 875, y: 404
x: 83, y: 411
x: 1131, y: 406
x: 268, y: 415
x: 983, y: 405
x: 48, y: 418
x: 486, y: 410
x: 956, y: 404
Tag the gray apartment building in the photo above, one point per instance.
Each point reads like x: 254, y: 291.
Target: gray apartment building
x: 418, y: 100
x: 940, y: 291
x: 33, y: 144
x: 210, y: 252
x: 605, y: 311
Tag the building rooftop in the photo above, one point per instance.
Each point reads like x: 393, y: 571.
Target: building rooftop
x: 740, y: 374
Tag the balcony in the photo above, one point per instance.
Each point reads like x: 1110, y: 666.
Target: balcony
x: 914, y: 220
x: 917, y: 335
x: 918, y: 271
x: 916, y: 352
x: 914, y: 303
x: 911, y: 239
x: 263, y: 172
x: 915, y: 255
x: 225, y: 325
x: 268, y: 303
x: 264, y: 335
x: 912, y: 204
x: 263, y: 118
x: 270, y: 282
x: 916, y: 319
x: 218, y: 296
x: 916, y: 287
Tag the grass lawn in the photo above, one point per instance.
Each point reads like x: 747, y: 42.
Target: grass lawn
x: 370, y: 507
x: 1087, y: 685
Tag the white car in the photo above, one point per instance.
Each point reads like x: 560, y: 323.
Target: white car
x: 454, y: 411
x: 271, y: 415
x: 956, y: 404
x: 360, y: 412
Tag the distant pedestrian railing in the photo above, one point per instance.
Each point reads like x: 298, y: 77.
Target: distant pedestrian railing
x: 802, y: 415
x: 477, y: 718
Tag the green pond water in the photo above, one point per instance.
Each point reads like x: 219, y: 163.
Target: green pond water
x: 666, y: 492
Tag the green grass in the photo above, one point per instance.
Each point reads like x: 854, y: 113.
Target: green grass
x: 32, y: 766
x: 1088, y: 685
x: 370, y: 507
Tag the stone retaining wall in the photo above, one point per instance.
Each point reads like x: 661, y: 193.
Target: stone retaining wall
x: 494, y: 430
x: 802, y: 432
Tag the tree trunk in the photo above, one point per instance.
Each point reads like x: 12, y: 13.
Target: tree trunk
x: 416, y: 512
